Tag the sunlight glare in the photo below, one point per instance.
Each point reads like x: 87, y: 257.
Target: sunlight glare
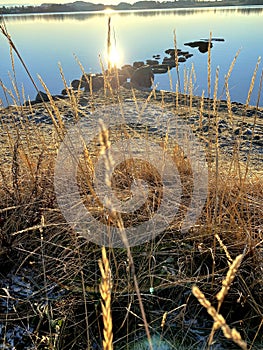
x: 114, y: 57
x: 108, y: 11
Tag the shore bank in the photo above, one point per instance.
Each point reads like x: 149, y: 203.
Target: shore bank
x: 212, y: 121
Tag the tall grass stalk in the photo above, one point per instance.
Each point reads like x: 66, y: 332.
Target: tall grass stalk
x: 219, y: 320
x: 105, y: 292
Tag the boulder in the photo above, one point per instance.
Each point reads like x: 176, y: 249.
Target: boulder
x: 160, y: 69
x: 201, y: 45
x: 75, y: 84
x: 170, y: 52
x: 138, y: 64
x: 152, y: 62
x: 64, y: 92
x: 143, y: 77
x: 115, y: 81
x: 188, y: 55
x: 41, y: 96
x: 181, y: 59
x: 127, y: 70
x: 183, y: 53
x: 169, y: 61
x: 96, y: 81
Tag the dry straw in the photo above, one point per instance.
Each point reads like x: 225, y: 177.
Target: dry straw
x: 219, y: 320
x: 209, y: 65
x: 105, y: 292
x: 229, y: 278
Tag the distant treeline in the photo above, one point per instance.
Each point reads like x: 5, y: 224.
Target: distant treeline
x: 78, y: 6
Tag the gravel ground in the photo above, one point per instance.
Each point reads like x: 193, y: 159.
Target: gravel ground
x: 243, y: 129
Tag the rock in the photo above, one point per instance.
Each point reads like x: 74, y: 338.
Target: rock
x: 248, y: 132
x: 138, y: 64
x: 258, y: 142
x: 160, y: 69
x: 181, y: 59
x: 127, y: 70
x: 170, y: 52
x: 76, y: 84
x: 143, y: 77
x: 152, y: 62
x: 170, y: 62
x: 201, y: 45
x: 116, y: 81
x: 183, y: 53
x: 97, y: 82
x: 188, y: 55
x: 222, y: 122
x: 41, y: 96
x: 205, y: 128
x: 237, y: 131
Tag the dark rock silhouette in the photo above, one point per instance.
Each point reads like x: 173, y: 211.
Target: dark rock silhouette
x: 160, y: 69
x: 92, y: 82
x: 138, y: 64
x: 143, y: 77
x: 75, y: 84
x: 152, y: 62
x: 127, y: 70
x: 169, y: 61
x: 41, y: 96
x: 188, y: 55
x: 138, y: 75
x: 201, y: 45
x: 182, y: 59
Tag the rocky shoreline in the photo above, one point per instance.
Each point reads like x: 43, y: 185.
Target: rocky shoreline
x: 242, y: 129
x: 139, y: 75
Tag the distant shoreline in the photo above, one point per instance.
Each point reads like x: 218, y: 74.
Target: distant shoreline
x: 82, y: 6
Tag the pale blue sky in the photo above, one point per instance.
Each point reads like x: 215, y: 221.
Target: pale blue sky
x: 39, y: 2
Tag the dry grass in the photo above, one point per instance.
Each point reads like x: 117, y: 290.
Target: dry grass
x: 150, y: 288
x: 105, y: 292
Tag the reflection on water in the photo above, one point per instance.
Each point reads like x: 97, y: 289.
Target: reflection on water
x: 82, y: 16
x: 138, y: 35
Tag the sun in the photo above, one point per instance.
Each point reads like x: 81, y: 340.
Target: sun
x: 108, y: 11
x: 114, y: 57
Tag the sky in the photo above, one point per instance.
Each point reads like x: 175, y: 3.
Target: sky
x: 39, y: 2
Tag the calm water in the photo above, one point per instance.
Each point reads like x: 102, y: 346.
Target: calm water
x: 45, y: 40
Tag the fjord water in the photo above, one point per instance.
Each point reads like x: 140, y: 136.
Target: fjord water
x: 44, y: 40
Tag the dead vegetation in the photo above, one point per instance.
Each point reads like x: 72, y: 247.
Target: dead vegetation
x: 78, y: 301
